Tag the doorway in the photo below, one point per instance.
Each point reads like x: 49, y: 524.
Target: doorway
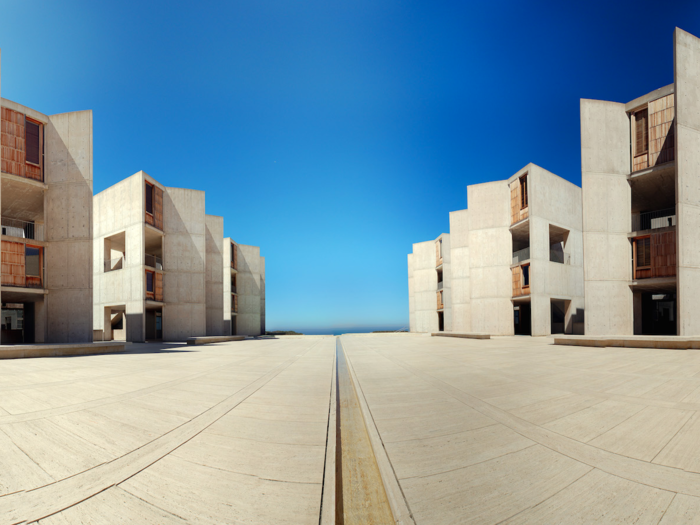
x: 441, y: 322
x: 521, y: 319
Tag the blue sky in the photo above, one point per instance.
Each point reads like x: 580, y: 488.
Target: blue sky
x: 334, y: 134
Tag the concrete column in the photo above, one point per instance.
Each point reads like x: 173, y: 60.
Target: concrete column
x: 687, y: 89
x: 540, y: 315
x: 605, y: 165
x: 459, y: 271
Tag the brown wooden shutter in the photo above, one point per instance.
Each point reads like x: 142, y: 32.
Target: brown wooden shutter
x: 641, y: 132
x: 33, y: 142
x: 159, y: 287
x: 644, y: 252
x: 235, y: 257
x: 523, y: 192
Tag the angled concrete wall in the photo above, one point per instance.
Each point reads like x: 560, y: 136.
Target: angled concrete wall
x: 605, y: 165
x: 68, y: 211
x: 119, y: 209
x: 411, y: 296
x: 490, y: 257
x: 687, y: 129
x: 184, y: 264
x: 214, y: 275
x: 227, y: 325
x: 425, y: 287
x: 460, y: 271
x: 446, y: 281
x: 249, y: 290
x: 555, y: 202
x: 262, y: 295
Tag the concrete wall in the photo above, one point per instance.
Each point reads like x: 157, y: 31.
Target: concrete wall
x: 425, y: 287
x: 446, y: 281
x: 459, y: 272
x: 227, y: 325
x: 262, y: 295
x: 249, y: 290
x: 605, y: 165
x: 214, y: 280
x: 686, y: 51
x: 556, y: 202
x: 490, y: 256
x: 68, y: 212
x: 184, y: 256
x: 118, y: 209
x: 411, y: 296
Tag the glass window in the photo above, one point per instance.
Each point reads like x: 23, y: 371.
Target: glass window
x: 149, y: 281
x: 32, y: 261
x: 526, y: 275
x: 149, y: 198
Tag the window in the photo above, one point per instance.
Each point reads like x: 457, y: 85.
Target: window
x: 33, y: 143
x: 149, y: 282
x: 643, y: 252
x: 32, y: 261
x: 523, y: 192
x: 641, y: 132
x: 526, y: 275
x: 149, y: 198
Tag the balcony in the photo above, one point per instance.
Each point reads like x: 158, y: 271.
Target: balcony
x: 559, y: 256
x: 114, y: 264
x: 154, y: 262
x: 521, y: 255
x: 439, y: 286
x: 22, y: 229
x: 654, y: 220
x: 233, y: 289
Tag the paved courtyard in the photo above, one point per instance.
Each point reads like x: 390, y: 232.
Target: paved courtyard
x: 507, y: 430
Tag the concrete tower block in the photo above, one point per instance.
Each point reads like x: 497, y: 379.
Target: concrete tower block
x: 686, y: 51
x: 69, y: 257
x: 425, y: 286
x: 605, y: 164
x: 249, y: 290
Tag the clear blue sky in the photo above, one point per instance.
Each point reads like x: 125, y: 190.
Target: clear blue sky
x: 334, y: 134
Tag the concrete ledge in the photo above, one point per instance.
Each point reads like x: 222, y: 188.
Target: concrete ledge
x: 213, y: 339
x: 49, y: 350
x: 463, y: 335
x: 632, y: 341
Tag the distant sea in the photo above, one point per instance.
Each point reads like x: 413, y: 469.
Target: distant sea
x: 340, y: 330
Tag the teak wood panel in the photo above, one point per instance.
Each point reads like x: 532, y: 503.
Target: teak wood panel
x: 13, y: 143
x: 663, y: 256
x: 440, y: 303
x: 13, y: 264
x: 159, y: 286
x: 660, y: 116
x: 234, y: 256
x: 517, y: 213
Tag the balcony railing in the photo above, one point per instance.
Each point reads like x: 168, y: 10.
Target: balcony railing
x: 154, y: 262
x: 440, y: 285
x: 653, y: 220
x: 233, y: 289
x: 23, y: 229
x: 114, y: 264
x: 521, y: 255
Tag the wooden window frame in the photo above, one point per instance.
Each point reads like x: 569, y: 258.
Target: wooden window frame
x: 524, y: 286
x: 645, y: 151
x: 635, y: 258
x: 41, y: 141
x: 150, y: 187
x: 523, y: 192
x: 151, y: 294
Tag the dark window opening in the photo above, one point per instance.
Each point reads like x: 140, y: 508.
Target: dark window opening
x: 641, y: 132
x: 526, y: 275
x: 643, y: 252
x: 523, y: 192
x: 149, y: 198
x: 32, y: 261
x: 33, y: 142
x: 149, y: 282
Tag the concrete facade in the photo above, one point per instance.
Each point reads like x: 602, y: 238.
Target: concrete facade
x: 641, y: 206
x: 46, y: 208
x: 161, y: 265
x: 511, y: 268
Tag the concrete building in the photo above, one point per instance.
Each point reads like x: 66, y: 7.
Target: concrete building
x: 641, y: 206
x: 159, y: 266
x: 512, y: 263
x: 46, y: 210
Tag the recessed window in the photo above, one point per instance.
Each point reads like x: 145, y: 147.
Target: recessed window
x: 523, y: 192
x: 33, y: 142
x: 526, y: 275
x: 641, y: 132
x: 32, y: 261
x: 149, y: 282
x: 149, y: 198
x: 643, y: 252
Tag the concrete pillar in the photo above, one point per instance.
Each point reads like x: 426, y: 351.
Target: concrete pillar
x: 540, y: 315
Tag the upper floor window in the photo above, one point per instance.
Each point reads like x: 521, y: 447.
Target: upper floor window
x: 643, y: 246
x: 641, y: 132
x: 526, y: 275
x: 33, y: 142
x: 149, y: 198
x: 523, y: 192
